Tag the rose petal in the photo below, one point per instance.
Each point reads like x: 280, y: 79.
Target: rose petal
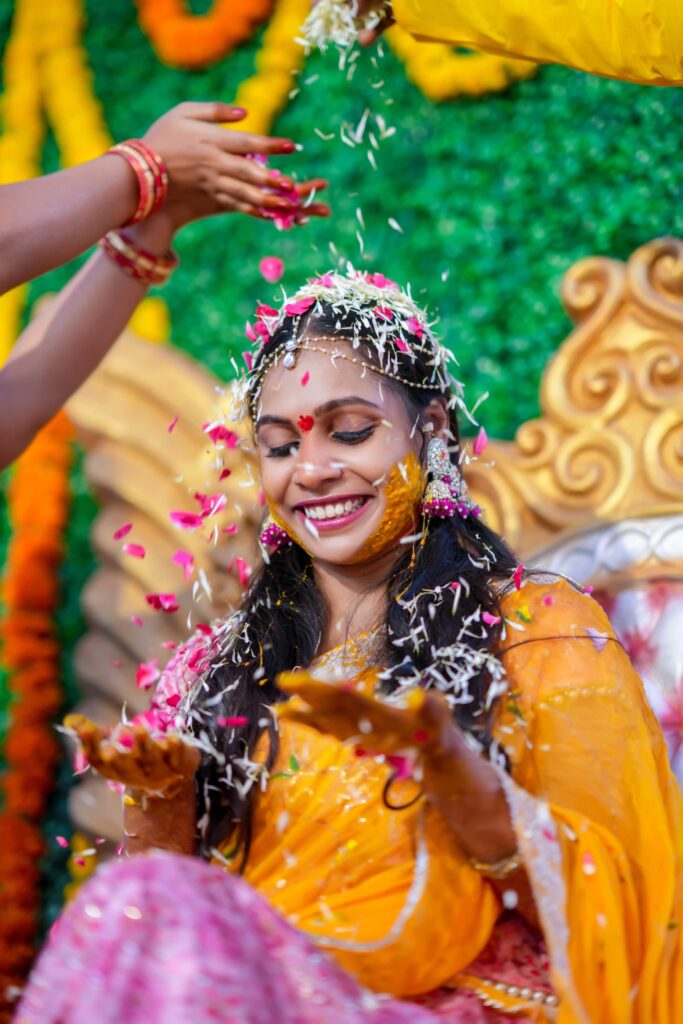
x: 147, y: 674
x: 480, y: 442
x: 185, y: 560
x: 232, y: 720
x: 305, y: 379
x: 162, y: 602
x: 489, y: 619
x: 272, y: 268
x: 172, y: 424
x: 136, y: 620
x: 299, y: 307
x: 186, y: 520
x: 517, y: 576
x: 123, y: 531
x: 134, y: 550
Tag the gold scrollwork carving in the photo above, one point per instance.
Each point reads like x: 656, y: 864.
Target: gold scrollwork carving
x: 609, y: 443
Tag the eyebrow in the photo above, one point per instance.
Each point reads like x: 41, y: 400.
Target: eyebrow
x: 320, y: 410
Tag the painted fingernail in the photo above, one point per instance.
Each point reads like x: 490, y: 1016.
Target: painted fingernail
x: 238, y: 111
x: 287, y: 147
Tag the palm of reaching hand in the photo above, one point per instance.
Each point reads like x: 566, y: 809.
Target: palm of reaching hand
x: 130, y: 755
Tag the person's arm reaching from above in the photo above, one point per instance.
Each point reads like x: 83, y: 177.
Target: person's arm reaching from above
x: 208, y: 174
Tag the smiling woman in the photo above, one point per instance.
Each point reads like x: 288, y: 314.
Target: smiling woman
x: 415, y: 815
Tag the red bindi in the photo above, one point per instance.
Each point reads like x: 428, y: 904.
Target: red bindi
x: 305, y: 423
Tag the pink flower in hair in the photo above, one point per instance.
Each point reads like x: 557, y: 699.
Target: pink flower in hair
x: 413, y: 325
x: 384, y: 313
x: 380, y: 281
x: 299, y: 307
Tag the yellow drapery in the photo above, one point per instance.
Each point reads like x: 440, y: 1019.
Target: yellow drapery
x: 598, y: 815
x: 636, y: 40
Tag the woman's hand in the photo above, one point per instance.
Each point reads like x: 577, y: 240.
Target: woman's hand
x: 209, y: 172
x: 130, y: 755
x: 457, y: 780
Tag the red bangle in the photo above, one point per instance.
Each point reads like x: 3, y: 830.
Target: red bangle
x: 138, y: 263
x: 151, y: 174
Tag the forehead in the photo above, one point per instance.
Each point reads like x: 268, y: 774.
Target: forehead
x: 327, y: 378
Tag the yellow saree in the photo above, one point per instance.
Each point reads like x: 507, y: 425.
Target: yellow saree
x: 597, y: 813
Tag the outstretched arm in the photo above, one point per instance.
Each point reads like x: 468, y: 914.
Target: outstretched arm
x: 209, y: 174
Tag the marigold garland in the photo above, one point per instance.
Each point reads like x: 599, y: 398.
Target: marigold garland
x: 442, y: 74
x: 277, y: 63
x: 185, y: 40
x: 38, y: 501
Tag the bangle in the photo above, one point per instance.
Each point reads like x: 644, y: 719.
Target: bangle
x: 499, y: 869
x: 144, y: 266
x: 151, y: 174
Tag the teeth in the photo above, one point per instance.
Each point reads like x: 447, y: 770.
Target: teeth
x: 333, y: 511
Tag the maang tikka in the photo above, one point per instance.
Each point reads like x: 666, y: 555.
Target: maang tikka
x: 446, y: 494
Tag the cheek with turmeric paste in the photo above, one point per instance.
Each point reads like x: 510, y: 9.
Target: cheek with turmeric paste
x: 402, y: 493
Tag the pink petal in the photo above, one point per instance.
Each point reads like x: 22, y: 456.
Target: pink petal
x: 413, y: 325
x: 262, y: 498
x: 402, y: 765
x: 172, y: 424
x: 210, y: 504
x: 243, y: 569
x: 217, y: 432
x: 250, y: 333
x: 230, y: 529
x: 305, y: 379
x: 136, y: 620
x: 454, y: 586
x: 204, y: 629
x: 266, y: 311
x: 173, y: 700
x: 169, y: 645
x: 548, y: 599
x: 186, y: 520
x: 147, y: 674
x: 326, y: 281
x: 162, y: 602
x: 134, y: 550
x: 123, y: 531
x: 401, y: 345
x: 224, y: 474
x: 299, y: 307
x: 588, y: 589
x: 231, y: 720
x: 480, y: 441
x: 384, y: 313
x: 185, y: 560
x: 490, y: 620
x: 64, y: 843
x: 272, y: 268
x: 517, y: 576
x: 249, y: 360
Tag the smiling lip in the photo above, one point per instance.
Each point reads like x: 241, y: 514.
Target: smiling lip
x: 338, y: 522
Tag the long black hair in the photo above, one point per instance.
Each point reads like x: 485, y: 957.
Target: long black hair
x: 282, y: 619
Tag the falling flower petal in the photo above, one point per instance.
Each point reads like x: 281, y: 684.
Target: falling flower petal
x: 136, y: 620
x: 173, y: 700
x: 233, y: 528
x: 272, y: 268
x: 134, y: 550
x: 384, y: 313
x: 548, y: 599
x: 250, y: 332
x: 228, y: 721
x: 243, y: 570
x: 326, y: 281
x: 217, y: 432
x: 517, y: 576
x: 305, y: 379
x: 249, y: 360
x: 147, y: 674
x: 489, y: 619
x: 123, y: 531
x: 162, y: 602
x: 186, y: 520
x: 224, y: 474
x: 480, y: 441
x: 62, y: 841
x: 401, y: 345
x: 588, y: 589
x: 172, y: 424
x: 402, y: 765
x: 170, y: 645
x: 210, y: 504
x: 185, y: 560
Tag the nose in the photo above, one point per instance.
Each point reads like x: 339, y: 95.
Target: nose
x: 315, y: 466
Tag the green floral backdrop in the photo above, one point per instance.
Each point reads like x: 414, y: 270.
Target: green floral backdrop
x: 497, y: 197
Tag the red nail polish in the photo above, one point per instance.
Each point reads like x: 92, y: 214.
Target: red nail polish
x: 238, y: 111
x: 287, y: 147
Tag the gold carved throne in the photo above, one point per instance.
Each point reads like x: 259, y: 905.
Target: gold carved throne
x: 592, y: 489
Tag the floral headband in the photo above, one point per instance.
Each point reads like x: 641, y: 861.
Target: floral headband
x: 386, y: 319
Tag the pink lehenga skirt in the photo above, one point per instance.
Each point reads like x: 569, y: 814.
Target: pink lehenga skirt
x: 166, y: 939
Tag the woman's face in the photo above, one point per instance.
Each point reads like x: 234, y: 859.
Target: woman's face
x: 339, y: 467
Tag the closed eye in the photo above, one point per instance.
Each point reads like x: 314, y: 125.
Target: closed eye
x: 353, y: 436
x: 281, y: 451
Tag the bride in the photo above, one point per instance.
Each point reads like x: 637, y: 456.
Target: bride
x: 406, y: 780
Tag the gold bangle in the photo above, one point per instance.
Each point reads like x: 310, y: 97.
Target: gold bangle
x: 499, y: 869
